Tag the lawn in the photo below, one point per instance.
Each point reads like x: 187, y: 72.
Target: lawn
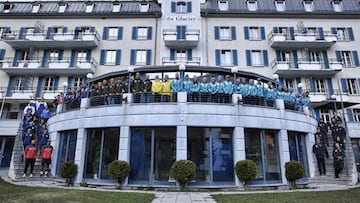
x: 10, y: 193
x: 342, y: 196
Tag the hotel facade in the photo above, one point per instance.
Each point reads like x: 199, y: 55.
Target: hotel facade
x: 304, y: 45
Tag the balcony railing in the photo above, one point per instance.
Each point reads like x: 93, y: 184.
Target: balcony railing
x: 37, y: 66
x: 304, y: 67
x: 189, y: 39
x: 71, y: 39
x: 298, y: 40
x: 181, y: 60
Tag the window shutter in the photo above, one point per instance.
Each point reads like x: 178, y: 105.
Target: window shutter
x: 39, y: 87
x: 172, y: 54
x: 338, y: 56
x: 70, y: 81
x: 16, y: 56
x: 333, y: 30
x: 49, y: 32
x: 120, y: 33
x: 189, y: 7
x: 246, y: 32
x: 312, y: 85
x: 10, y: 86
x: 330, y: 86
x: 92, y: 29
x: 148, y: 57
x: 134, y: 33
x: 350, y: 115
x: 61, y: 54
x: 355, y: 58
x: 296, y: 64
x: 149, y: 33
x: 350, y: 33
x: 22, y: 33
x: 281, y: 80
x: 2, y: 54
x: 65, y: 29
x: 76, y: 36
x: 189, y: 55
x: 56, y: 83
x: 217, y: 32
x: 180, y: 30
x: 321, y: 33
x: 248, y: 57
x: 326, y: 60
x: 132, y: 57
x: 278, y: 55
x: 262, y: 31
x: 317, y: 114
x: 173, y: 7
x: 233, y: 32
x: 45, y: 58
x: 275, y: 30
x: 291, y: 31
x: 73, y: 58
x: 102, y: 57
x: 88, y: 55
x: 217, y: 57
x: 118, y: 57
x: 344, y: 85
x: 265, y: 57
x: 235, y: 57
x: 105, y: 33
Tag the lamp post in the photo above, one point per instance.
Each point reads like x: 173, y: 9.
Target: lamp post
x: 182, y: 68
x: 234, y: 70
x: 65, y: 84
x: 333, y: 98
x: 275, y: 77
x: 89, y: 76
x: 300, y: 86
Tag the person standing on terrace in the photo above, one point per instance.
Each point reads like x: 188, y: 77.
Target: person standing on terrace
x: 166, y: 89
x: 228, y: 89
x: 137, y: 87
x: 176, y: 86
x: 156, y: 89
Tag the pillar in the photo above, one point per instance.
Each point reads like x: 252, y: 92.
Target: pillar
x: 181, y: 143
x: 238, y: 148
x: 124, y: 145
x: 284, y: 153
x: 80, y: 153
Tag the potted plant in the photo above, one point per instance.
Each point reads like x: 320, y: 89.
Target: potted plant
x: 119, y: 170
x: 245, y: 171
x: 293, y: 171
x: 183, y: 171
x: 68, y: 171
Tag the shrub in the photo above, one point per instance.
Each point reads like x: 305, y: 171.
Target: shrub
x: 245, y: 171
x: 294, y: 170
x: 183, y: 171
x: 119, y: 170
x: 68, y: 171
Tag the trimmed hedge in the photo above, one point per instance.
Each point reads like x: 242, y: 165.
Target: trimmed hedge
x: 183, y: 171
x: 119, y: 170
x: 293, y: 171
x: 68, y: 171
x: 245, y: 171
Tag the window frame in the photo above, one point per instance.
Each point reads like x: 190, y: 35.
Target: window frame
x: 36, y: 7
x: 142, y: 33
x: 144, y: 7
x: 225, y: 33
x: 252, y: 31
x: 110, y: 57
x: 89, y: 7
x: 356, y: 113
x: 48, y: 84
x: 320, y: 85
x: 260, y: 57
x: 337, y: 6
x: 140, y: 56
x: 62, y: 7
x: 113, y: 33
x: 181, y: 7
x: 353, y: 86
x: 116, y: 7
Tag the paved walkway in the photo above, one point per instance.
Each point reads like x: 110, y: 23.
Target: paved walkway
x: 173, y: 197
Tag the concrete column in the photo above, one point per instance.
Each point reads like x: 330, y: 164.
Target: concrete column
x: 80, y: 154
x: 236, y: 98
x: 284, y: 153
x: 55, y: 142
x: 310, y: 141
x: 280, y: 104
x: 238, y: 148
x: 85, y: 103
x: 124, y: 145
x: 181, y: 143
x: 127, y: 97
x: 182, y: 97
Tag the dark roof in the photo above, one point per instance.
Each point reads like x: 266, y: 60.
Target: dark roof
x: 350, y: 7
x: 77, y: 8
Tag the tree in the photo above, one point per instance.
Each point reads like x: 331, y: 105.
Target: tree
x: 245, y: 171
x: 183, y: 171
x: 293, y: 171
x: 119, y: 170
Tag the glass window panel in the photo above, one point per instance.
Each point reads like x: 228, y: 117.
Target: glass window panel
x: 142, y: 32
x: 256, y: 58
x: 116, y: 7
x: 140, y: 56
x: 225, y: 33
x: 113, y: 33
x: 110, y: 57
x: 253, y: 151
x: 67, y: 148
x: 110, y: 150
x: 140, y: 154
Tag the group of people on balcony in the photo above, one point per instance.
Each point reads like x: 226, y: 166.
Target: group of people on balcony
x: 338, y: 134
x: 210, y: 88
x: 35, y: 136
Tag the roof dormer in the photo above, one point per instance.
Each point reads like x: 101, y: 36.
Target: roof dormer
x: 280, y: 5
x: 308, y: 5
x: 89, y: 7
x: 252, y: 5
x: 144, y: 7
x: 116, y: 6
x: 62, y: 7
x: 6, y: 7
x: 36, y: 7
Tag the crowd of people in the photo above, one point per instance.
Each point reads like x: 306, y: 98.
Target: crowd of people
x: 211, y: 88
x: 35, y: 136
x: 320, y: 150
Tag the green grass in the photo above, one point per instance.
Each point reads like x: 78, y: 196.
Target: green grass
x: 342, y: 196
x: 10, y: 193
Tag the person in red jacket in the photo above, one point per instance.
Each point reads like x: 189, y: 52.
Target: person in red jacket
x: 46, y: 152
x: 30, y: 156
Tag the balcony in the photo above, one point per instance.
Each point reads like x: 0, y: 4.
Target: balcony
x: 173, y: 39
x: 304, y: 67
x: 300, y: 40
x: 52, y: 67
x: 181, y: 60
x: 45, y: 40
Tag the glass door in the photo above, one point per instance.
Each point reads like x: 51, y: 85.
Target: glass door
x: 297, y: 149
x: 67, y: 148
x: 6, y: 147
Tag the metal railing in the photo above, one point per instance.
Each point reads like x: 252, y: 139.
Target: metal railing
x: 290, y: 36
x: 291, y: 62
x: 179, y: 60
x: 11, y: 63
x: 106, y: 100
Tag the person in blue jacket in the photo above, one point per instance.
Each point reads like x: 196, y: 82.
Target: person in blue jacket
x: 176, y: 86
x: 228, y: 89
x: 194, y: 89
x: 213, y: 88
x: 204, y: 94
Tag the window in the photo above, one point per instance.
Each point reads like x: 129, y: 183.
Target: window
x: 81, y: 55
x: 7, y: 7
x: 180, y: 56
x: 19, y: 84
x: 337, y: 5
x: 110, y: 57
x: 320, y: 85
x: 48, y: 84
x: 116, y: 7
x: 280, y: 5
x: 343, y: 33
x: 325, y: 115
x: 113, y: 33
x: 62, y: 7
x: 89, y: 7
x: 256, y: 58
x: 252, y: 5
x: 142, y: 32
x: 308, y: 5
x: 223, y: 5
x: 285, y: 56
x: 347, y: 59
x: 54, y: 55
x: 140, y: 56
x: 225, y: 33
x: 357, y: 115
x: 144, y: 7
x: 313, y: 56
x: 181, y: 7
x: 290, y: 83
x: 254, y: 33
x: 225, y: 57
x: 35, y: 7
x: 77, y: 81
x: 353, y: 86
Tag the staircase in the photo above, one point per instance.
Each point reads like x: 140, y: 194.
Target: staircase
x: 348, y: 175
x: 17, y: 163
